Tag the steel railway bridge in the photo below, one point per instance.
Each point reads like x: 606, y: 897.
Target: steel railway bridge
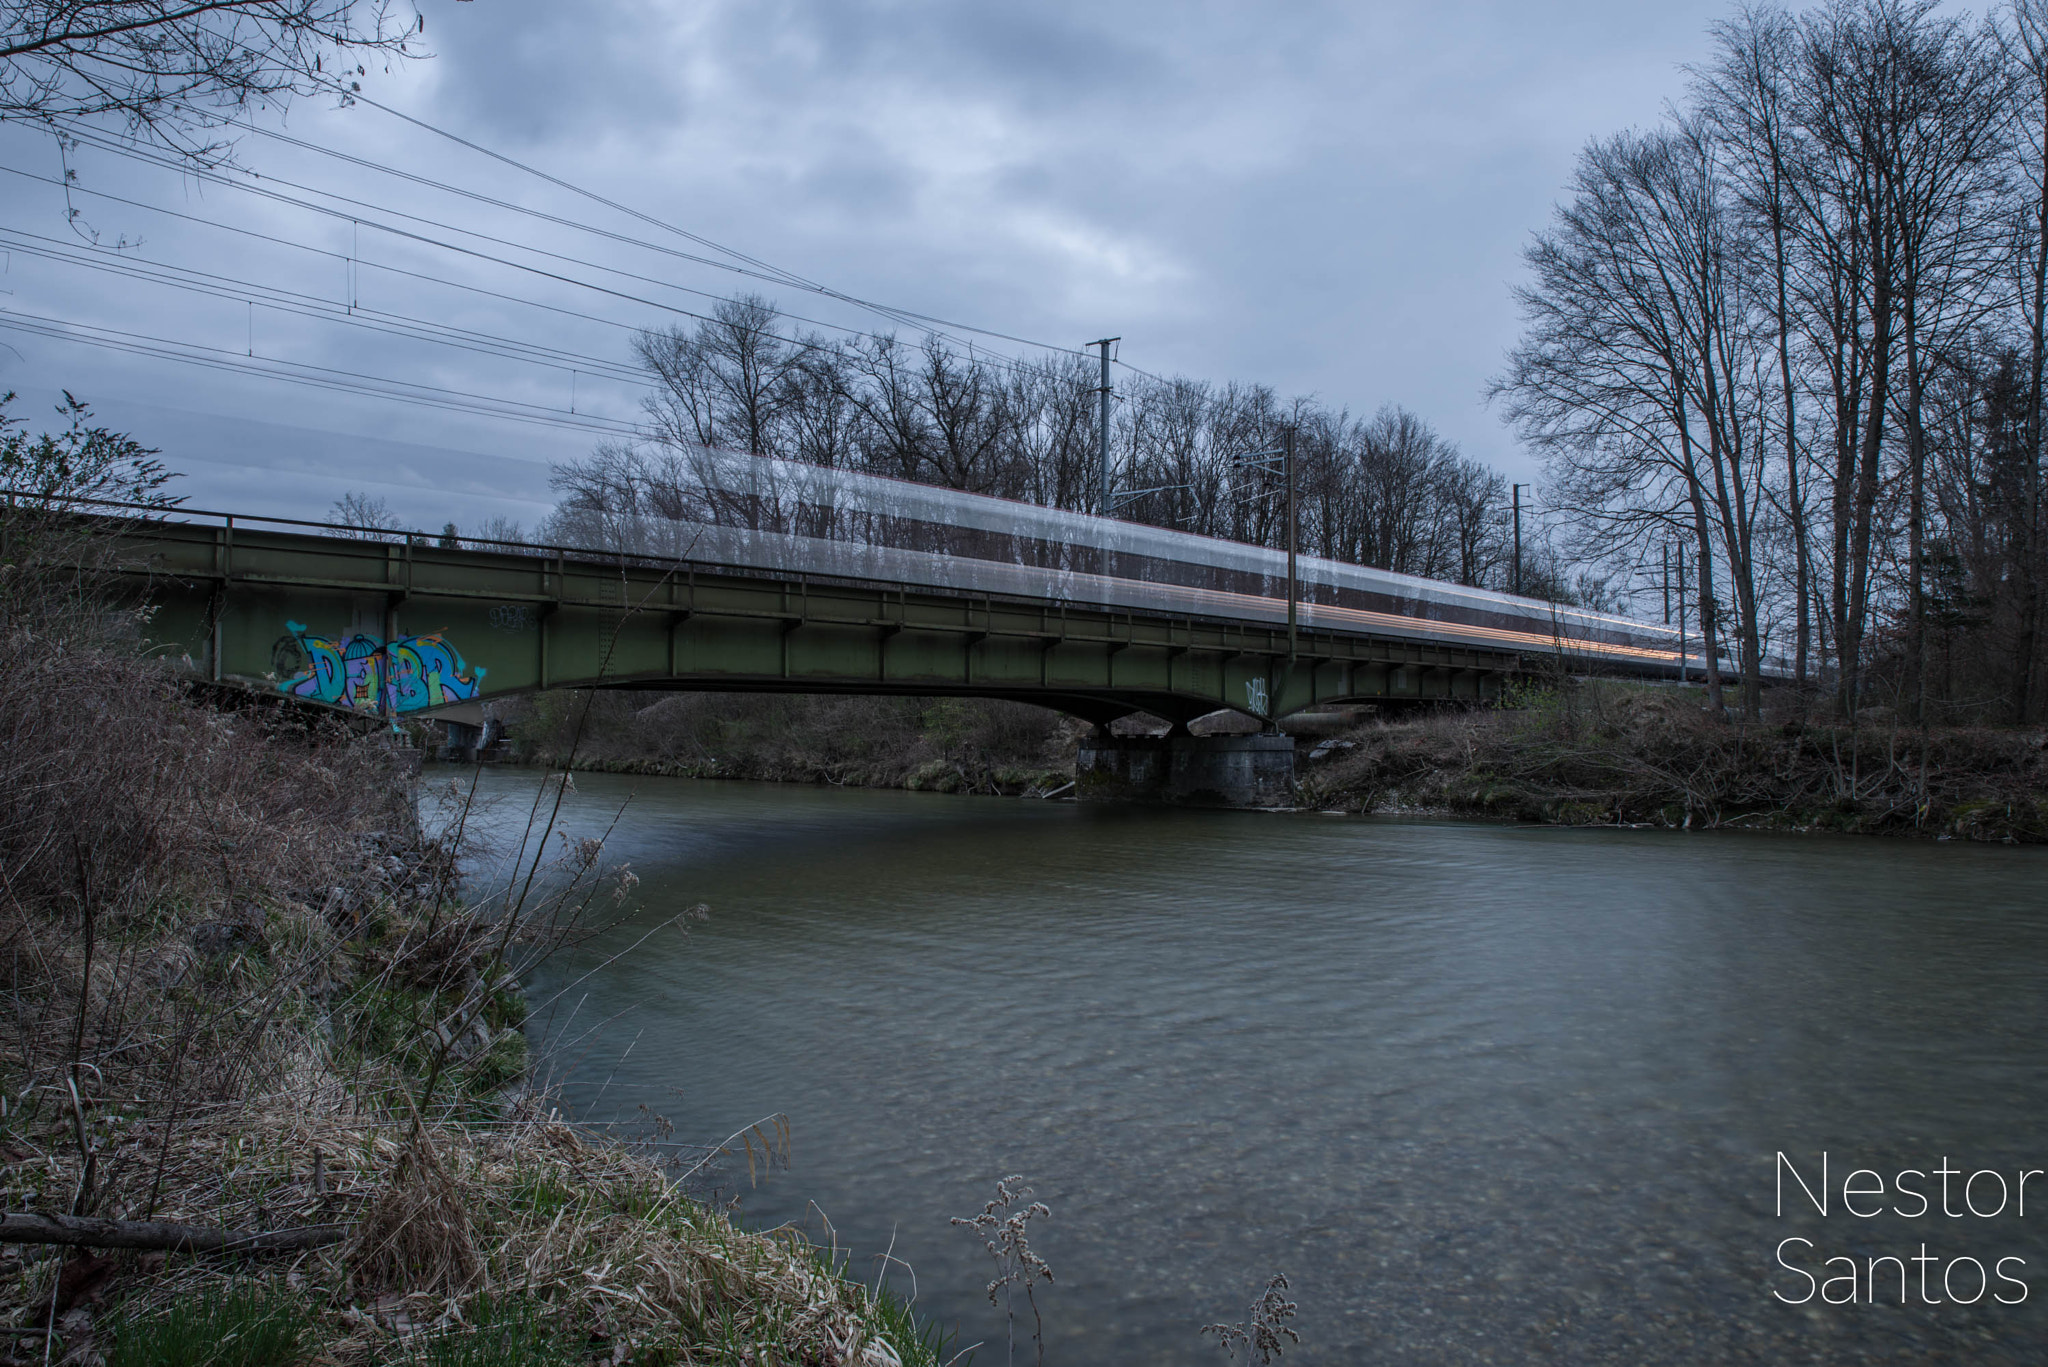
x: 900, y: 590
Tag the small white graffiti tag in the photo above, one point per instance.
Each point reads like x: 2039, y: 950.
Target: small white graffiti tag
x: 1255, y: 695
x: 512, y: 617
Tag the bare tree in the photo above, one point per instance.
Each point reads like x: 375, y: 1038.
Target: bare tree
x: 965, y: 406
x: 361, y: 515
x: 1388, y: 491
x: 1824, y: 257
x: 1631, y: 374
x: 1746, y: 94
x: 818, y: 420
x: 173, y: 70
x: 728, y: 381
x: 1473, y: 506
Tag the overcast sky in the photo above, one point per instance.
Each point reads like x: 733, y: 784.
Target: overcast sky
x: 1327, y: 198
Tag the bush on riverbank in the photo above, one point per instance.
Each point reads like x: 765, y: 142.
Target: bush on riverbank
x: 243, y: 996
x: 1600, y: 753
x: 209, y: 1048
x: 948, y: 745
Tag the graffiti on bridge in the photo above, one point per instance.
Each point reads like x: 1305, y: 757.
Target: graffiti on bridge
x: 367, y: 675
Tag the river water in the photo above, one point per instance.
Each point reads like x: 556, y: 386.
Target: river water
x: 1485, y: 1094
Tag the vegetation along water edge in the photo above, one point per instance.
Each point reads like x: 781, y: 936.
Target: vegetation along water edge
x: 1564, y: 751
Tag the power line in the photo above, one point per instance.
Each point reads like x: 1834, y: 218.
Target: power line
x: 352, y: 94
x: 906, y: 316
x: 137, y: 153
x: 340, y: 256
x: 481, y: 198
x: 310, y: 306
x: 424, y: 240
x: 174, y: 276
x: 312, y: 376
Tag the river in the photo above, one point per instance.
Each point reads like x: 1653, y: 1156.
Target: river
x: 1485, y: 1094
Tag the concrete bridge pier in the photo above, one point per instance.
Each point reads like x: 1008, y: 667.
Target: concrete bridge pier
x: 1187, y: 770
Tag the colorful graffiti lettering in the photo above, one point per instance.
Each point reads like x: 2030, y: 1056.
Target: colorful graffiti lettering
x: 364, y: 675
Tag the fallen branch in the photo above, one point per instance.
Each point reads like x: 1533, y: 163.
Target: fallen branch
x: 84, y: 1231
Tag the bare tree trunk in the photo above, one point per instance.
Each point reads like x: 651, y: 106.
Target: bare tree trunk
x: 2033, y: 31
x: 1862, y: 500
x: 1795, y: 499
x: 1710, y: 627
x: 1916, y: 512
x: 1746, y: 93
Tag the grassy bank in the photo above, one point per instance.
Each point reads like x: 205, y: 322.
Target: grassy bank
x: 1605, y: 753
x: 245, y: 999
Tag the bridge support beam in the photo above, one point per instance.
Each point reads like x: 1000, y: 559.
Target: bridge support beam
x: 1185, y: 770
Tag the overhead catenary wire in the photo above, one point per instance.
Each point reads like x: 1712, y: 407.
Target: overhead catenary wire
x: 220, y: 358
x: 908, y: 317
x: 341, y: 256
x: 172, y: 275
x: 799, y: 342
x: 312, y: 306
x: 768, y: 275
x: 318, y: 377
x: 358, y: 208
x: 355, y: 217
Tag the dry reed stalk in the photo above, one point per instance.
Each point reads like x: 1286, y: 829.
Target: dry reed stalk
x: 416, y: 1235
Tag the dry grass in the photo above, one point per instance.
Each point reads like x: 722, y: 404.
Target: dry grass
x: 528, y: 1207
x: 415, y: 1235
x: 624, y: 1265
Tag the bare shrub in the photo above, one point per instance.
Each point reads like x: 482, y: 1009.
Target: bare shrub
x: 1004, y: 1228
x: 1258, y: 1335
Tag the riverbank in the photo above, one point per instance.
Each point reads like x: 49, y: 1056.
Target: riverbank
x: 251, y: 1006
x: 1601, y: 754
x: 1588, y: 753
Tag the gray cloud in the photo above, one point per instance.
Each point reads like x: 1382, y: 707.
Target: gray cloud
x: 1329, y: 198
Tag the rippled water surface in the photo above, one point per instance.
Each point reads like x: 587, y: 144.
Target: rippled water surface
x: 1485, y: 1094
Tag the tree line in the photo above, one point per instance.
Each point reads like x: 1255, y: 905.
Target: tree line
x: 1797, y: 332
x: 1384, y: 490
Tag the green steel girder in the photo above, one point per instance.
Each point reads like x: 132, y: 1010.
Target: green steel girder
x: 270, y: 609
